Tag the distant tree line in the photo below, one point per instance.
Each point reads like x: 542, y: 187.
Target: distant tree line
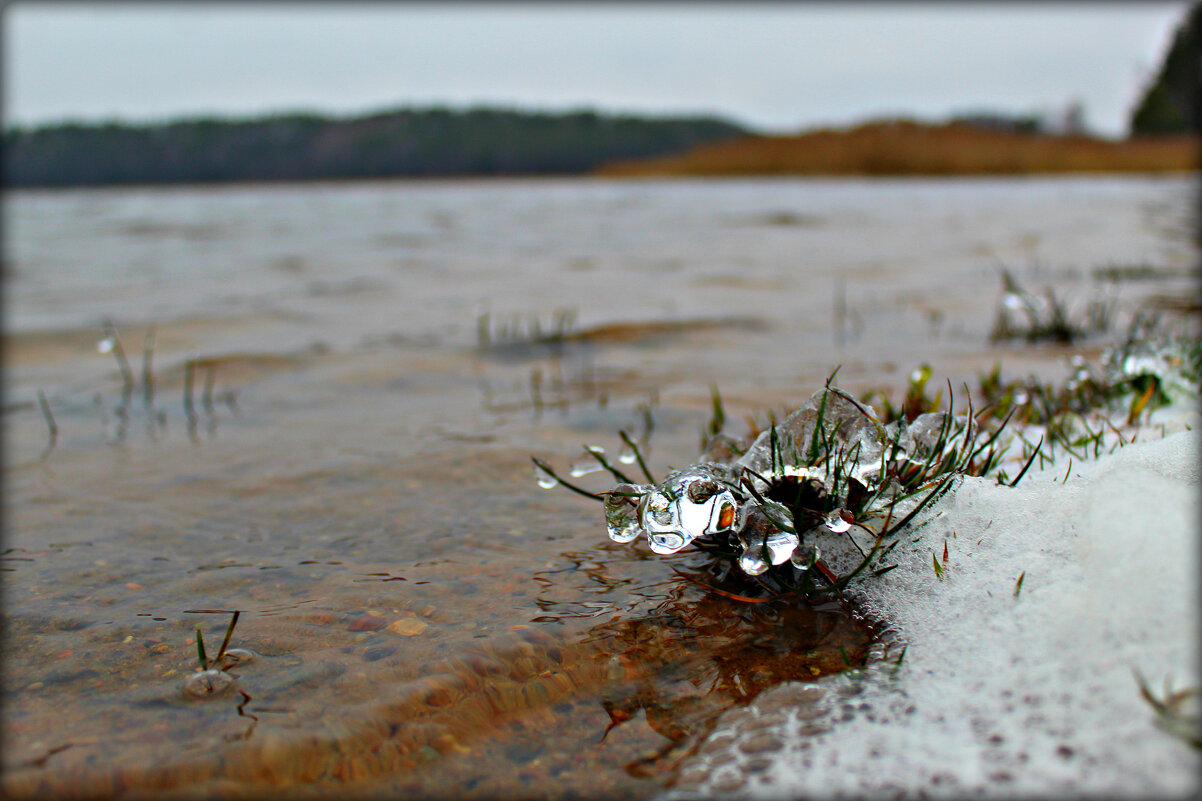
x: 408, y: 142
x: 1173, y: 102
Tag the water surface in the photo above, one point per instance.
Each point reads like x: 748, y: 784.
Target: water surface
x: 352, y: 472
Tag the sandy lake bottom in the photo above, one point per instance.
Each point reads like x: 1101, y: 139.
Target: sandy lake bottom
x: 353, y: 473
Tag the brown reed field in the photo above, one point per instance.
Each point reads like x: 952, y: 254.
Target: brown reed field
x: 903, y: 147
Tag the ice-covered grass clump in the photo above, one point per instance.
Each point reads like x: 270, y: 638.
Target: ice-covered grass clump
x: 811, y: 503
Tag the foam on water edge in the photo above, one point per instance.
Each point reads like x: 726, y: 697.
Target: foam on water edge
x: 1002, y: 694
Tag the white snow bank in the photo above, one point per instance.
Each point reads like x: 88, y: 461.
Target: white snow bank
x: 1001, y: 695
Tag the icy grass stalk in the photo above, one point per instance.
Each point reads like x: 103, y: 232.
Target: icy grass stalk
x: 549, y: 478
x: 638, y: 454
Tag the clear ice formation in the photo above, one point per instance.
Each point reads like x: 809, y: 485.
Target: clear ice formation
x: 849, y: 424
x: 707, y: 502
x: 696, y: 502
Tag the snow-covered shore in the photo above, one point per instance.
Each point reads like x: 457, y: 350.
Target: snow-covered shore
x: 1002, y: 694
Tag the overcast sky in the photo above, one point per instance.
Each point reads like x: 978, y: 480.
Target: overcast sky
x: 777, y: 67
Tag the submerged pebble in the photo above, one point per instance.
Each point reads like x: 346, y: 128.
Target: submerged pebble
x: 408, y: 626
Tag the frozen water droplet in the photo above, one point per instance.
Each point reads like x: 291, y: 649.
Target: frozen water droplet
x: 544, y: 479
x: 1142, y: 364
x: 752, y: 562
x: 658, y: 512
x: 208, y: 682
x: 688, y: 504
x: 105, y: 345
x: 781, y: 545
x: 666, y: 542
x: 1021, y: 397
x: 626, y: 455
x: 592, y: 466
x: 702, y: 490
x: 621, y: 513
x: 802, y: 558
x: 758, y: 533
x: 836, y: 523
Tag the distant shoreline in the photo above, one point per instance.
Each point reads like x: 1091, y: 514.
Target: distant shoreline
x: 482, y: 144
x: 419, y: 143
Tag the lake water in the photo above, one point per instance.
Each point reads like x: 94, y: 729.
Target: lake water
x: 369, y: 373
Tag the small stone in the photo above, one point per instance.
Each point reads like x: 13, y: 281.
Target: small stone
x: 367, y: 623
x: 408, y: 626
x: 379, y: 652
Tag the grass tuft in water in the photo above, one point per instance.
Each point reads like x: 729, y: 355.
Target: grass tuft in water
x: 824, y: 495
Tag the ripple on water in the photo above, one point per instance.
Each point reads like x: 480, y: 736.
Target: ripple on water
x: 617, y: 702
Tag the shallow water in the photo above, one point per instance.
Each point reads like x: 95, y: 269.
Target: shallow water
x: 356, y: 477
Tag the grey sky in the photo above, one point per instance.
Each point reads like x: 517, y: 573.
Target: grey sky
x: 777, y: 66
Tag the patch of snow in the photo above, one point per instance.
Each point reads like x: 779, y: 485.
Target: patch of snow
x: 999, y: 694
